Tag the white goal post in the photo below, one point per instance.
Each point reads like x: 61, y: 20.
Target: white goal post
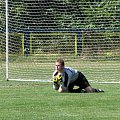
x: 7, y: 34
x: 85, y: 34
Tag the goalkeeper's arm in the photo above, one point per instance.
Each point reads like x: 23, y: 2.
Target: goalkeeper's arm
x: 58, y: 84
x: 55, y: 84
x: 62, y: 88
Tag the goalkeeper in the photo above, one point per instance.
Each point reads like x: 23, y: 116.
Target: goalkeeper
x: 65, y: 78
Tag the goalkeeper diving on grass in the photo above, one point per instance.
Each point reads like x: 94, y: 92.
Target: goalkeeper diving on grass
x: 65, y: 79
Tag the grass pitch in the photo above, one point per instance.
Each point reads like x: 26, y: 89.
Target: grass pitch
x: 38, y: 101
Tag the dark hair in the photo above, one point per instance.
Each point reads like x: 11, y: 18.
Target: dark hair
x: 60, y: 61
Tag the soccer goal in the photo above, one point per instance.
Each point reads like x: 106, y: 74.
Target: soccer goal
x: 33, y: 34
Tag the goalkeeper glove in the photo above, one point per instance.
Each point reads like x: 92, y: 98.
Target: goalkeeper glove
x: 57, y: 80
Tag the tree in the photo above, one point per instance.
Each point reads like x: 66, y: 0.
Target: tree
x: 64, y: 14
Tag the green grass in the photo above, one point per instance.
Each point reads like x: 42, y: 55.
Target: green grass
x: 102, y: 71
x: 38, y: 101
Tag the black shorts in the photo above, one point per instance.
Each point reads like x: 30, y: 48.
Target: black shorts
x: 81, y: 81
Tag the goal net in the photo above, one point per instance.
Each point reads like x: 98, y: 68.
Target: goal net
x: 85, y: 33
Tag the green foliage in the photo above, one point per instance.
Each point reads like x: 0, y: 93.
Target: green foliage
x: 101, y: 44
x: 99, y: 17
x: 64, y: 13
x: 53, y: 43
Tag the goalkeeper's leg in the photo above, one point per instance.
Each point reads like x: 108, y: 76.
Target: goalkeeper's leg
x: 83, y: 83
x: 72, y: 90
x: 89, y: 89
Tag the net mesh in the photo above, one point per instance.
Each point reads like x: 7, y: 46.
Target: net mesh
x: 85, y: 33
